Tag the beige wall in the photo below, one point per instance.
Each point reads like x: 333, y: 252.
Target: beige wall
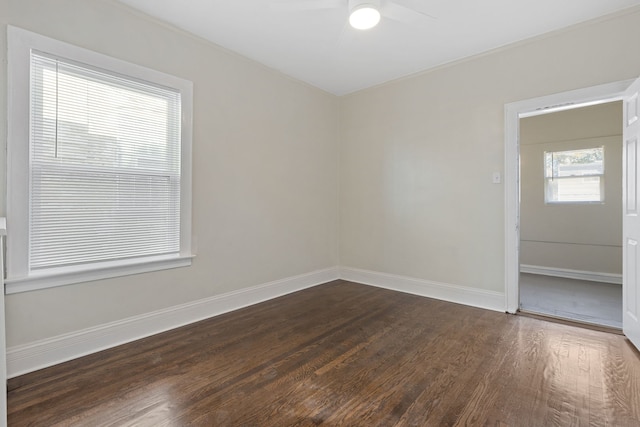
x: 265, y: 187
x: 583, y: 237
x: 417, y: 155
x: 415, y: 162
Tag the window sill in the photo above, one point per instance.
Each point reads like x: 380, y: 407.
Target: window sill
x: 70, y: 276
x: 566, y: 203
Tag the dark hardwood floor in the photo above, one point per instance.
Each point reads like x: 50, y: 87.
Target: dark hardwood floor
x: 344, y: 354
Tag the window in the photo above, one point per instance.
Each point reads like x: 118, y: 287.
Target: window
x: 99, y: 176
x: 575, y: 176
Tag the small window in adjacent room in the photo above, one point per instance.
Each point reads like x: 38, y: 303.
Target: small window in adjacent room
x: 575, y: 176
x: 99, y: 166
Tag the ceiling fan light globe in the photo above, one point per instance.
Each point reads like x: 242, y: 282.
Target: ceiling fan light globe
x: 364, y: 17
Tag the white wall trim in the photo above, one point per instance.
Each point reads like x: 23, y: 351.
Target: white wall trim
x: 40, y: 354
x: 48, y: 352
x: 592, y: 276
x: 489, y: 300
x: 76, y: 275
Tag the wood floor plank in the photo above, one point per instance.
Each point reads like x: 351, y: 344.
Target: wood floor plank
x: 345, y: 354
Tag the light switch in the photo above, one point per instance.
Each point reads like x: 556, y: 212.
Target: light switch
x: 496, y: 178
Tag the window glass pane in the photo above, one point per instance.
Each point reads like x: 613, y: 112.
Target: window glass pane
x: 105, y: 166
x: 574, y: 189
x: 89, y: 117
x: 583, y: 162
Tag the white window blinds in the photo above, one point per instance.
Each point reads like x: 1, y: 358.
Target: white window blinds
x: 104, y: 166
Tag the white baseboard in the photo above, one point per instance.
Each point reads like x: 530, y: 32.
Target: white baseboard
x: 40, y: 354
x: 48, y: 352
x: 489, y: 300
x: 591, y: 276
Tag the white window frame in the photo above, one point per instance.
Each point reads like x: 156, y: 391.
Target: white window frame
x: 19, y: 276
x: 549, y: 180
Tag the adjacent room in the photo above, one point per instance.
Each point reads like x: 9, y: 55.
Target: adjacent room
x: 258, y: 212
x: 571, y: 214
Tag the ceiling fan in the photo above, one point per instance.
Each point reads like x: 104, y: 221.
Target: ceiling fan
x: 363, y: 14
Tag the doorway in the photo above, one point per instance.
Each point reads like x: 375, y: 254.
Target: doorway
x: 571, y: 214
x: 514, y: 112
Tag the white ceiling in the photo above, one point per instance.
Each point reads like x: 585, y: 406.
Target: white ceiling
x: 316, y: 45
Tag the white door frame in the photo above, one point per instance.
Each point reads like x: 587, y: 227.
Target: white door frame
x: 513, y: 112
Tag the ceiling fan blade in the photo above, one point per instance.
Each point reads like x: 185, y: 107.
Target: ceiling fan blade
x: 399, y: 12
x: 307, y: 4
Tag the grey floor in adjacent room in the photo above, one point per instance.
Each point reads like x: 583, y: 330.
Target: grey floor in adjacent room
x: 581, y: 300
